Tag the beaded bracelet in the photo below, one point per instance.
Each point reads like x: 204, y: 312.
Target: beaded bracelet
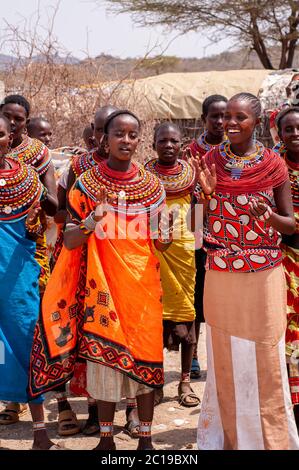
x: 207, y: 196
x: 89, y: 223
x: 266, y: 215
x: 35, y: 229
x: 85, y: 230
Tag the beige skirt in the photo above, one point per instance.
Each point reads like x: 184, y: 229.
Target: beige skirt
x: 246, y: 403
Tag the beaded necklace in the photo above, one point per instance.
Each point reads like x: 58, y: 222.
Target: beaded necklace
x: 177, y: 180
x: 236, y: 164
x: 84, y: 162
x: 280, y: 148
x: 293, y: 168
x: 32, y: 152
x: 141, y: 195
x: 128, y: 175
x: 19, y: 188
x: 202, y: 142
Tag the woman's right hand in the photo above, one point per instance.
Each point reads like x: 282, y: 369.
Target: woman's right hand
x: 103, y: 198
x: 203, y: 175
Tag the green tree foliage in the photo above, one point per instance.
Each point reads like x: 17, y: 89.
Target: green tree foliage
x: 265, y: 26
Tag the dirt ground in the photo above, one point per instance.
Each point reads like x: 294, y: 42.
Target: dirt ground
x: 174, y: 426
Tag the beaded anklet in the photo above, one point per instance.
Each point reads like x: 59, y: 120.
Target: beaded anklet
x: 106, y: 429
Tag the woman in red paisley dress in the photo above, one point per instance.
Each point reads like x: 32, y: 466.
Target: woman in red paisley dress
x: 246, y: 196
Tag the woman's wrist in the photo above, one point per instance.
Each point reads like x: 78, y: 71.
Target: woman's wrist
x: 35, y: 228
x: 265, y: 215
x: 207, y: 196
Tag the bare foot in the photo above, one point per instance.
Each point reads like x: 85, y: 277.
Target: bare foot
x: 145, y: 443
x: 41, y: 441
x: 106, y: 443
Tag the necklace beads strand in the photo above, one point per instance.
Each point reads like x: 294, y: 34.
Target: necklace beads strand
x: 19, y: 188
x: 236, y: 164
x: 175, y: 184
x: 143, y: 193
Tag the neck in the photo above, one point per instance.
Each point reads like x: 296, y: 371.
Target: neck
x: 4, y: 165
x: 293, y: 156
x: 244, y: 148
x: 118, y: 165
x: 16, y: 142
x: 168, y: 164
x: 214, y: 139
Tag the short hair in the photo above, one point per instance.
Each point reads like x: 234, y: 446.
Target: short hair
x: 35, y: 121
x: 107, y: 109
x: 283, y: 113
x: 209, y: 101
x: 254, y: 101
x: 87, y: 130
x: 117, y: 113
x: 17, y: 99
x: 7, y: 121
x: 165, y: 125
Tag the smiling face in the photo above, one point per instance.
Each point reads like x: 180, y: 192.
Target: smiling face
x: 214, y: 119
x: 239, y: 121
x: 167, y: 145
x: 17, y: 117
x: 289, y: 132
x: 123, y: 137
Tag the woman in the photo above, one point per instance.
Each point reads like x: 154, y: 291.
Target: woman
x: 20, y: 193
x: 178, y: 262
x: 288, y: 131
x: 103, y: 300
x: 213, y: 109
x: 67, y: 421
x: 31, y: 152
x: 246, y: 196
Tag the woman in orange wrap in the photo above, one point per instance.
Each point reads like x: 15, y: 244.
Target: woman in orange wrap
x: 103, y: 302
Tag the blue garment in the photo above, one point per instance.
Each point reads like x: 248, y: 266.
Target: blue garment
x: 19, y: 309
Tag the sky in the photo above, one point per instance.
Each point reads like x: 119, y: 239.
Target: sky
x: 84, y: 28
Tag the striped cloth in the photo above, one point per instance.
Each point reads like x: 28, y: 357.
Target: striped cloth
x: 246, y: 403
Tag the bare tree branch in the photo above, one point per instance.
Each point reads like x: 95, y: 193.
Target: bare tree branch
x: 263, y: 25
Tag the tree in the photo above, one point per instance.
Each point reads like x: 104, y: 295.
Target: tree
x: 265, y: 26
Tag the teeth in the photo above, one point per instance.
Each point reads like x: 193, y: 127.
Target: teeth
x: 233, y: 131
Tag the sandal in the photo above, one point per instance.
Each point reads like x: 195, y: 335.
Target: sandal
x: 132, y: 428
x: 184, y: 397
x: 12, y: 412
x: 195, y: 372
x: 67, y: 423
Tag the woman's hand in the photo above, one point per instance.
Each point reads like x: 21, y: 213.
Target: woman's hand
x: 34, y: 213
x: 203, y: 175
x: 103, y: 198
x: 257, y: 207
